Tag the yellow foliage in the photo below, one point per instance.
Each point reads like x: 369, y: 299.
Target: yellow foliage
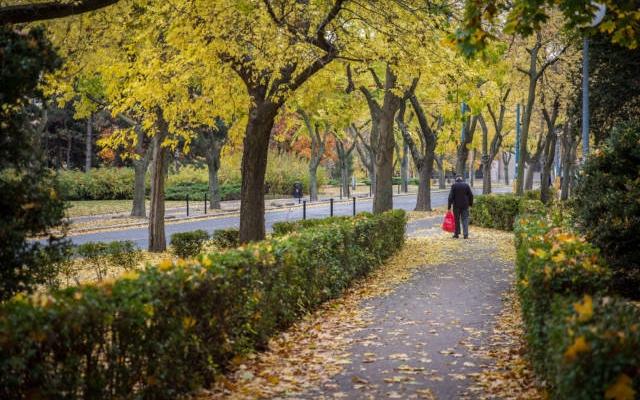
x: 579, y: 345
x: 165, y: 264
x: 584, y: 309
x: 621, y: 389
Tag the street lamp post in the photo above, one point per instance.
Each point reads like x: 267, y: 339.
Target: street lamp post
x: 597, y: 18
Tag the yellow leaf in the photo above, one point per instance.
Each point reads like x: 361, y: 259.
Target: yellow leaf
x: 584, y: 310
x: 130, y: 275
x: 621, y: 389
x: 558, y: 258
x: 188, y: 322
x: 165, y: 264
x: 579, y: 345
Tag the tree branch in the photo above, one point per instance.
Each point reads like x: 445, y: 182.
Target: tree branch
x: 42, y: 11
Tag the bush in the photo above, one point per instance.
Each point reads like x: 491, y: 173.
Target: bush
x: 552, y: 262
x: 98, y: 184
x: 188, y: 244
x: 164, y: 331
x: 285, y: 169
x: 594, y: 348
x: 226, y: 238
x: 499, y: 211
x: 99, y: 255
x: 607, y: 206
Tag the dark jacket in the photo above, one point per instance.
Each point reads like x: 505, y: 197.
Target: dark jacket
x: 460, y: 195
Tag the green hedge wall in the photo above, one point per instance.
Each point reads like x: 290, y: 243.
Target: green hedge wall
x: 499, y: 211
x: 583, y: 341
x: 173, y: 327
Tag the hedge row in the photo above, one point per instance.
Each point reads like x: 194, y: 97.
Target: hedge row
x: 499, y: 211
x: 584, y: 343
x: 174, y: 327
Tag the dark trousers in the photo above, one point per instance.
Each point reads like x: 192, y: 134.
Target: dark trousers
x: 462, y: 217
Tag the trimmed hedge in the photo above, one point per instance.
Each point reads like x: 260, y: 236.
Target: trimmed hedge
x: 583, y: 342
x: 174, y: 327
x: 499, y: 211
x: 594, y: 348
x: 552, y: 262
x: 188, y: 244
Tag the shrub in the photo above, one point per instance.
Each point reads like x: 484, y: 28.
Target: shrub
x: 499, y: 211
x: 99, y: 255
x: 188, y: 244
x: 226, y: 238
x: 607, y: 206
x: 124, y: 254
x: 285, y: 169
x: 95, y: 254
x: 180, y: 191
x: 552, y: 262
x: 98, y: 184
x: 164, y: 331
x: 594, y: 348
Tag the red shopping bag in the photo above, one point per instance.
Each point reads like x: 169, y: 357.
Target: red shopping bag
x: 449, y: 223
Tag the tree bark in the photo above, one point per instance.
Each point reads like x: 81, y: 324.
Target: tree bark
x: 343, y: 159
x: 463, y: 150
x: 506, y: 159
x: 157, y: 239
x: 140, y: 165
x: 254, y: 166
x: 384, y: 145
x: 89, y: 144
x: 317, y: 152
x: 22, y: 13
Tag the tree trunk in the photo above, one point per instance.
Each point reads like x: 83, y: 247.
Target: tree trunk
x: 254, y: 166
x: 545, y: 177
x: 214, y: 189
x: 89, y: 144
x: 385, y: 145
x: 140, y: 165
x: 506, y: 159
x: 442, y: 176
x: 463, y: 150
x: 528, y: 180
x: 313, y: 185
x: 404, y: 168
x: 157, y: 239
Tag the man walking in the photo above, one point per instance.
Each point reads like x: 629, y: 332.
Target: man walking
x: 461, y: 198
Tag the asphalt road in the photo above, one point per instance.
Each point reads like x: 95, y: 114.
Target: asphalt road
x: 293, y: 211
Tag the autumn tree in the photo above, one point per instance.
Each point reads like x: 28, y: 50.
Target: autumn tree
x: 208, y: 142
x: 542, y: 53
x: 423, y: 152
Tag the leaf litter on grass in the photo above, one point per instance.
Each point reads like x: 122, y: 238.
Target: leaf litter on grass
x: 316, y: 349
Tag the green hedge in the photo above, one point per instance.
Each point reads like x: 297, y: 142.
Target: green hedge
x: 499, y: 211
x: 550, y: 262
x: 174, y: 327
x: 188, y: 244
x: 583, y: 342
x: 594, y: 348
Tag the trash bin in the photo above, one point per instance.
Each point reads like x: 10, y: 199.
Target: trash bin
x: 297, y: 190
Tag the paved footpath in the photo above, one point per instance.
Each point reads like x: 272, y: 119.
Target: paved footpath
x: 423, y: 337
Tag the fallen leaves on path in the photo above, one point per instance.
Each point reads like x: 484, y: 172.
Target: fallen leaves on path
x: 316, y: 349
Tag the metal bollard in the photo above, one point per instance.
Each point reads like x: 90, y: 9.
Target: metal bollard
x: 304, y: 209
x: 331, y: 207
x: 354, y: 206
x: 205, y: 202
x: 187, y: 205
